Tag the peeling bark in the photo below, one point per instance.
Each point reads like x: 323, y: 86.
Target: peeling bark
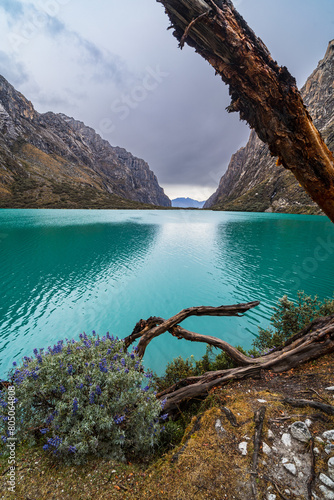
x: 264, y: 94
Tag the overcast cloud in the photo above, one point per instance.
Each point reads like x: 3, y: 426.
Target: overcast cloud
x: 114, y: 66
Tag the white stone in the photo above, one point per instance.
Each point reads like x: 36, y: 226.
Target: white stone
x: 288, y: 492
x: 243, y: 448
x: 291, y: 468
x: 300, y: 432
x: 329, y: 435
x: 297, y: 461
x: 330, y: 388
x: 271, y: 496
x: 270, y: 435
x: 266, y: 449
x: 286, y: 439
x: 219, y: 428
x: 284, y: 460
x: 327, y: 481
x: 319, y: 439
x: 329, y: 449
x: 316, y: 451
x: 331, y: 468
x: 262, y: 400
x: 329, y: 495
x: 308, y: 422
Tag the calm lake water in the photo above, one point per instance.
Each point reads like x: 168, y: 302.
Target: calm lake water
x: 64, y: 272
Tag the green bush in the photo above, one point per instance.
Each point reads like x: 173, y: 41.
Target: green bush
x: 81, y: 398
x: 291, y: 317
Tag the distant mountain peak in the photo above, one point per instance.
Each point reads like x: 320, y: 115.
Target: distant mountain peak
x: 187, y: 203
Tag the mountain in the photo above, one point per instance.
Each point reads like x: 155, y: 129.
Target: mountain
x: 187, y: 203
x: 253, y: 182
x: 51, y: 160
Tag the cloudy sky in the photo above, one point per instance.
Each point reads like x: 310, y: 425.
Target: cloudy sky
x: 114, y: 65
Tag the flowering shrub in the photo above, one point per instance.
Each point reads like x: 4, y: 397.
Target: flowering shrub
x: 86, y: 397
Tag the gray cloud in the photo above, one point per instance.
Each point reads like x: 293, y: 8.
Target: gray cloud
x: 98, y: 65
x: 13, y: 71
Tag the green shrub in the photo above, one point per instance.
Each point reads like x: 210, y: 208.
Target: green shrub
x: 291, y: 317
x: 84, y: 398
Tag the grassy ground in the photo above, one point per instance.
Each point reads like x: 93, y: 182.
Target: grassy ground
x: 203, y: 465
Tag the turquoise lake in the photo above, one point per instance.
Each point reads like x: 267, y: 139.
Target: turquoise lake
x: 64, y: 272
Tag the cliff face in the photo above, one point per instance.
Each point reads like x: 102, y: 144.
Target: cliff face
x: 51, y: 160
x: 253, y: 182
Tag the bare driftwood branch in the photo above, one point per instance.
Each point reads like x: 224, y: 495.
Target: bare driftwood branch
x: 154, y: 327
x: 264, y: 94
x: 312, y: 342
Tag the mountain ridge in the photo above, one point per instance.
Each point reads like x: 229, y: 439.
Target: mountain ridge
x: 54, y: 161
x: 253, y: 181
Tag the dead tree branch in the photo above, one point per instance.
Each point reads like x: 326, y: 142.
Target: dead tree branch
x: 312, y: 342
x: 264, y: 94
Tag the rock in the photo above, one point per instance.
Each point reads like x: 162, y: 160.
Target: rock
x: 331, y: 468
x: 271, y: 435
x: 219, y: 428
x: 271, y: 496
x: 329, y: 449
x: 330, y: 388
x: 286, y: 439
x: 329, y: 495
x: 329, y: 435
x: 327, y: 481
x: 243, y: 448
x: 297, y: 461
x: 265, y: 448
x: 262, y: 400
x: 299, y: 431
x: 316, y: 451
x: 291, y: 468
x: 319, y: 439
x: 308, y: 422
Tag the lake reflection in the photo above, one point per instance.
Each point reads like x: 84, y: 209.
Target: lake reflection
x: 68, y: 271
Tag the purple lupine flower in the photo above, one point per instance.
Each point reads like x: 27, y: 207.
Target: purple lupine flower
x: 46, y: 447
x: 147, y: 388
x: 62, y: 389
x: 44, y: 431
x: 91, y: 397
x: 72, y: 449
x: 163, y: 403
x: 123, y: 361
x: 15, y: 364
x: 118, y: 420
x: 75, y: 406
x: 164, y: 416
x: 98, y: 390
x: 70, y: 370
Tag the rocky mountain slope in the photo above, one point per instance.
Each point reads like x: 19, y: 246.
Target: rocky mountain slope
x: 51, y: 160
x: 253, y: 182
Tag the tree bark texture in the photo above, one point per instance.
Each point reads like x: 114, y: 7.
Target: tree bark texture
x: 264, y: 94
x: 316, y: 340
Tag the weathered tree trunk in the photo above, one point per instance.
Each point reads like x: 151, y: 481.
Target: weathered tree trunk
x: 312, y: 342
x: 264, y: 93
